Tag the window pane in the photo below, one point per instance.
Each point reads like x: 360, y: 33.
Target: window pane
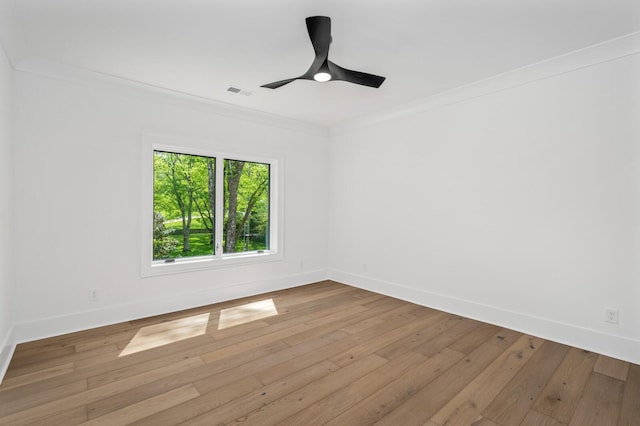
x: 183, y: 205
x: 246, y: 206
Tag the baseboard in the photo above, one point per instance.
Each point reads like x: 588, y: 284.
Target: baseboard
x: 6, y: 352
x: 56, y: 326
x: 596, y: 341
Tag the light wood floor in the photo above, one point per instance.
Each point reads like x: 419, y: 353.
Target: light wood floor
x: 332, y: 355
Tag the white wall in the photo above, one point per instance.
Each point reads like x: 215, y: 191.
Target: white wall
x: 77, y: 194
x: 519, y: 207
x: 6, y: 204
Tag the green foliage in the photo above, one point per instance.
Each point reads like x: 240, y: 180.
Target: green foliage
x: 163, y: 244
x: 200, y: 244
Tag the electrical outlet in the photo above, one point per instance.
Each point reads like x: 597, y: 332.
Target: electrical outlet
x: 365, y: 268
x: 611, y: 315
x: 93, y: 294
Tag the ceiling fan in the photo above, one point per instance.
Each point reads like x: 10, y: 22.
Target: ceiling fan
x: 322, y: 69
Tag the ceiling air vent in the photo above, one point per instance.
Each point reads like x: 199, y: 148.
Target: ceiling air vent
x: 238, y: 91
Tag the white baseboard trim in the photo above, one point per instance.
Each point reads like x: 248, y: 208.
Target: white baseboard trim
x: 6, y: 352
x: 56, y: 326
x: 611, y: 345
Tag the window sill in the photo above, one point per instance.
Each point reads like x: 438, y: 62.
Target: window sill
x: 208, y: 262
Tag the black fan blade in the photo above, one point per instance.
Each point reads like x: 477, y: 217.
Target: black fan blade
x: 319, y: 28
x: 280, y: 83
x: 357, y: 77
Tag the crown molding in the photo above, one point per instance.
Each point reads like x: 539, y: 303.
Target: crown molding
x: 607, y: 51
x: 47, y: 68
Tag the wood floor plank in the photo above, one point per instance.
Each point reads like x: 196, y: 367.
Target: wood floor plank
x: 202, y: 404
x: 467, y: 405
x: 146, y: 408
x: 324, y: 324
x: 600, y: 402
x: 311, y: 300
x: 323, y: 348
x: 561, y: 395
x: 216, y: 376
x: 611, y: 367
x: 375, y: 316
x: 359, y: 326
x: 339, y: 302
x: 221, y: 334
x: 44, y: 386
x: 373, y: 408
x: 280, y: 409
x: 37, y: 376
x: 433, y: 326
x: 630, y: 409
x: 162, y: 334
x: 391, y: 331
x: 337, y: 402
x: 223, y: 372
x: 481, y: 421
x: 505, y: 338
x: 71, y: 417
x: 301, y: 356
x: 13, y: 402
x: 425, y: 403
x: 64, y: 358
x: 248, y: 345
x: 70, y: 339
x: 535, y: 418
x: 240, y: 407
x: 119, y: 368
x: 457, y: 328
x: 276, y: 363
x: 515, y: 400
x: 110, y: 339
x: 108, y: 356
x: 77, y: 399
x: 470, y: 341
x: 332, y: 354
x: 341, y: 322
x: 27, y: 354
x: 143, y: 364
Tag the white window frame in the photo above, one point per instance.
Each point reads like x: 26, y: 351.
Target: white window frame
x: 152, y: 267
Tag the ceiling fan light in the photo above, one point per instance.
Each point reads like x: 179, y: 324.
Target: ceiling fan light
x: 322, y: 76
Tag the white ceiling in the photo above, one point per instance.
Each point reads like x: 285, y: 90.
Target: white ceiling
x: 201, y: 47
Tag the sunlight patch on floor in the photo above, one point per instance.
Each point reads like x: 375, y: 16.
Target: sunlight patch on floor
x: 246, y: 313
x: 153, y: 336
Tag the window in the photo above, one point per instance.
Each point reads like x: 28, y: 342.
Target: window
x: 208, y: 209
x: 183, y: 205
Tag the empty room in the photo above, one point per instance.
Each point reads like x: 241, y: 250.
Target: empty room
x: 320, y: 213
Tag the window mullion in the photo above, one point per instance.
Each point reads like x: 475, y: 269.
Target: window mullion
x: 219, y: 209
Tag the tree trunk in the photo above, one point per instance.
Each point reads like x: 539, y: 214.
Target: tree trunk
x: 185, y: 209
x: 252, y: 202
x: 212, y: 197
x: 186, y: 225
x: 233, y: 173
